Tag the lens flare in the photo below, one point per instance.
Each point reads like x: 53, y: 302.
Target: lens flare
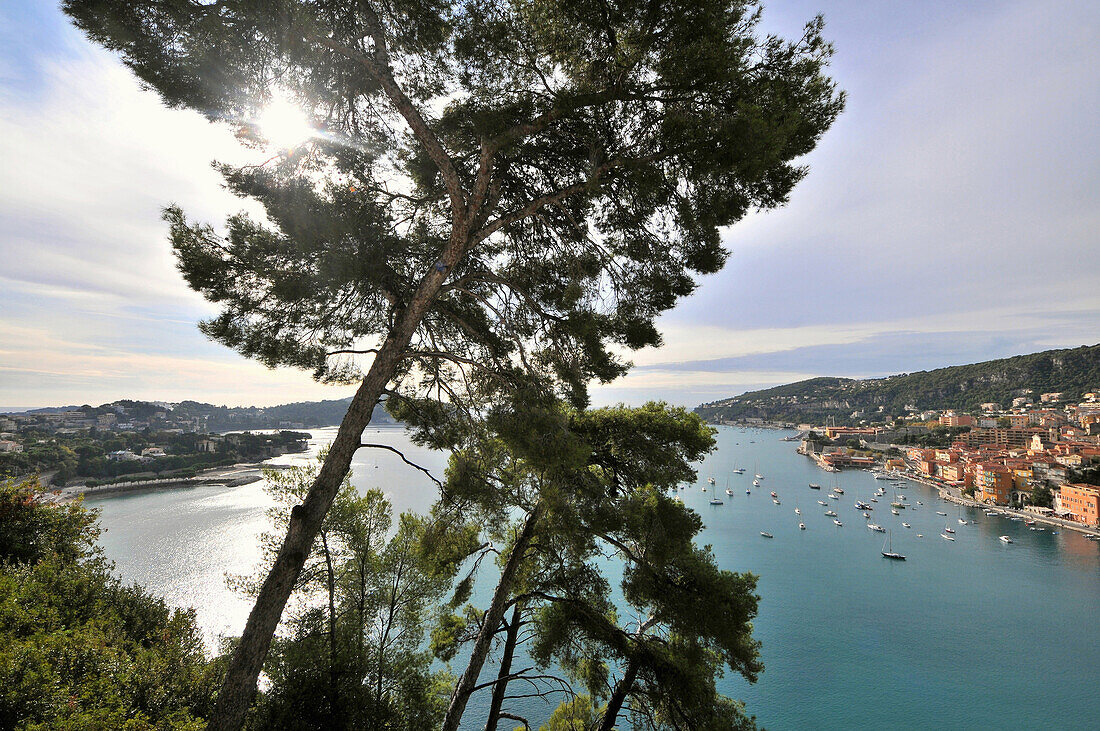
x: 284, y: 124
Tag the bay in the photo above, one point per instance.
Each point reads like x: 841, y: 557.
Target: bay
x: 969, y: 633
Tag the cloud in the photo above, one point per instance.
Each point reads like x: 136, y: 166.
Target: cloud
x: 950, y: 216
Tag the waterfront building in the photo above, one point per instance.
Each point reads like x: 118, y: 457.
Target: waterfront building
x: 1081, y: 502
x: 995, y: 482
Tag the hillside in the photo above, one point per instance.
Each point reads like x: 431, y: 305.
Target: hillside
x: 208, y: 417
x: 1073, y: 371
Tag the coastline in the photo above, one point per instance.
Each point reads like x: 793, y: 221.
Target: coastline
x: 242, y: 473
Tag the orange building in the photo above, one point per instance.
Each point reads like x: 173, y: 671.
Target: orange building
x: 953, y: 471
x: 956, y: 420
x: 995, y: 481
x: 1082, y: 502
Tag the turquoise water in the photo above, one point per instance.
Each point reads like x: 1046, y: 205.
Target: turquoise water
x: 965, y: 634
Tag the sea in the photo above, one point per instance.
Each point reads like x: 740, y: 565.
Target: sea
x: 970, y: 633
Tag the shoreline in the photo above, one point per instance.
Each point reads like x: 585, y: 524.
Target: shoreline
x: 946, y: 494
x: 242, y: 473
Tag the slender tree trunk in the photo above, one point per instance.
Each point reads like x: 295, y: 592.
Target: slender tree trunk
x: 333, y: 684
x: 490, y: 623
x: 501, y: 686
x: 239, y: 686
x: 618, y: 697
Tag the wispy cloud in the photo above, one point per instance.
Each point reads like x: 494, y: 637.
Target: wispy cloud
x: 950, y: 216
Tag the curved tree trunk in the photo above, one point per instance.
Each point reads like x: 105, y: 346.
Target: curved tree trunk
x: 239, y: 686
x: 493, y: 617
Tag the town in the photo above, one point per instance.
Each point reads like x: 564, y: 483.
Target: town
x: 1040, y: 456
x: 129, y: 441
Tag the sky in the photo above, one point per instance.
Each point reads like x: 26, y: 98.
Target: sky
x: 950, y: 216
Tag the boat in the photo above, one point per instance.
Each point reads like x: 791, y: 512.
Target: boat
x: 815, y: 486
x: 831, y: 513
x: 756, y: 483
x: 833, y: 497
x: 940, y: 513
x: 860, y: 505
x: 776, y: 501
x: 1029, y: 522
x: 1005, y: 539
x: 748, y: 492
x: 759, y: 476
x: 797, y: 511
x: 906, y: 525
x: 822, y: 502
x: 837, y: 522
x: 716, y: 501
x: 729, y: 491
x: 919, y: 503
x: 947, y: 537
x: 948, y: 530
x: 766, y: 534
x: 887, y: 549
x: 774, y: 495
x: 894, y: 511
x: 881, y: 476
x: 874, y: 499
x: 704, y: 488
x: 710, y: 480
x: 898, y: 505
x: 962, y: 522
x: 838, y: 490
x: 876, y: 527
x: 867, y: 515
x: 739, y: 470
x: 802, y: 526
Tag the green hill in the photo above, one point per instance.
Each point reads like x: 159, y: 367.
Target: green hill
x: 1073, y: 371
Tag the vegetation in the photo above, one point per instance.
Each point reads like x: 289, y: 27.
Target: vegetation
x: 937, y: 436
x: 559, y: 497
x: 500, y: 193
x: 1072, y: 371
x: 355, y: 654
x: 1042, y: 496
x: 86, y: 454
x: 78, y: 649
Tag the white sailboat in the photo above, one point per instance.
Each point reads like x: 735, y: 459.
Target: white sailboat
x: 888, y: 551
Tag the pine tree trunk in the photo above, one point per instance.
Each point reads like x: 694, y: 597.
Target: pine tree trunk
x: 239, y: 687
x: 618, y: 697
x: 490, y: 623
x: 333, y: 681
x: 501, y: 686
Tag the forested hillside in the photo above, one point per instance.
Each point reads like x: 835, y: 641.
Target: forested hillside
x: 1072, y: 371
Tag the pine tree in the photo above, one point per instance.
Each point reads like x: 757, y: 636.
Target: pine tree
x: 497, y: 192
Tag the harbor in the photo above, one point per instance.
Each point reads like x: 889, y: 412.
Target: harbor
x: 835, y: 614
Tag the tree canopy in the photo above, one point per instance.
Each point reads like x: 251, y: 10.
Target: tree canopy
x: 79, y: 649
x: 498, y: 195
x: 561, y: 491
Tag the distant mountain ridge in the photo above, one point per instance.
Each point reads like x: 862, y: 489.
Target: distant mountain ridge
x: 301, y: 414
x: 1071, y: 371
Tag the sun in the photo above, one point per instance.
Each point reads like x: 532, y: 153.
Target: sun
x: 284, y: 124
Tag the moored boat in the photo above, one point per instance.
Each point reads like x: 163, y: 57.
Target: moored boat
x: 888, y: 550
